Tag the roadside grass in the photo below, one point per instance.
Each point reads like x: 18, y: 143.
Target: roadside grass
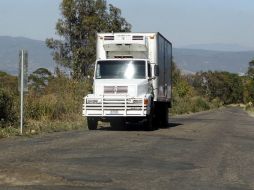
x: 45, y: 126
x: 250, y: 109
x: 187, y: 105
x: 35, y: 127
x: 52, y: 108
x: 8, y: 131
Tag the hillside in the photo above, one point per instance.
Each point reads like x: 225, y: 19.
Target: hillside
x: 195, y: 60
x: 219, y: 47
x: 39, y: 54
x: 189, y: 60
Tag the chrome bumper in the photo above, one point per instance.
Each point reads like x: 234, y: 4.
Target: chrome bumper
x: 114, y: 106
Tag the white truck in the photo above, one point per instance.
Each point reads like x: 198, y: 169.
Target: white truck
x: 132, y: 80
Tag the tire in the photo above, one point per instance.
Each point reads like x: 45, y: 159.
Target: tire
x: 164, y: 116
x: 92, y: 123
x: 149, y: 123
x: 161, y: 115
x: 157, y: 115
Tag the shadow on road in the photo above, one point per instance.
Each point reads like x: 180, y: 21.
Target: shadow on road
x: 136, y: 127
x: 172, y: 125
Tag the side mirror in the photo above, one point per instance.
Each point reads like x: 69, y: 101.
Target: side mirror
x: 156, y: 70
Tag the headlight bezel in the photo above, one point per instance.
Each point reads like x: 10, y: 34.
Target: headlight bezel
x: 93, y: 101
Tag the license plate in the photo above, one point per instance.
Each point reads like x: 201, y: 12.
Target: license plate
x: 114, y: 112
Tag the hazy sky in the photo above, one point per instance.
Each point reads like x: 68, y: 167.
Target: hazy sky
x: 183, y: 22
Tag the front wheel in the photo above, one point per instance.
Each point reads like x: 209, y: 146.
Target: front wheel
x: 149, y: 123
x: 92, y: 123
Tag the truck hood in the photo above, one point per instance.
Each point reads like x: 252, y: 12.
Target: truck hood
x: 132, y: 88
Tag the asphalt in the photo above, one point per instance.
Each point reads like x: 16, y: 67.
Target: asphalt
x: 207, y: 151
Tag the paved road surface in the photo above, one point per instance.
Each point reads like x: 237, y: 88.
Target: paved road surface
x: 207, y: 151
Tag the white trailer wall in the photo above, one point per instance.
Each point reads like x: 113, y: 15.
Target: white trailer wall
x: 165, y: 68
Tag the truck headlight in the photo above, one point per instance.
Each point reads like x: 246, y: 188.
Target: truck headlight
x: 92, y: 101
x: 137, y: 102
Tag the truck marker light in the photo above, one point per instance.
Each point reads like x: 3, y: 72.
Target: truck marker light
x: 145, y: 102
x: 92, y: 101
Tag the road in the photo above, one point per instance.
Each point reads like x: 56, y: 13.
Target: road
x: 207, y: 151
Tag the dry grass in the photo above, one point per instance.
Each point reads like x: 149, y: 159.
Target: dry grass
x: 56, y: 107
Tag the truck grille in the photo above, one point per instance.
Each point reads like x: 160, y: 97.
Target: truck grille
x: 115, y: 89
x: 114, y: 105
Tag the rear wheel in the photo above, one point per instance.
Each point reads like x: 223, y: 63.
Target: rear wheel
x: 161, y: 115
x: 164, y: 116
x: 92, y: 123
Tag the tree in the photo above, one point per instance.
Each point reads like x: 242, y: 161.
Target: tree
x: 228, y: 87
x: 250, y: 72
x: 39, y: 79
x: 248, y: 93
x: 81, y: 20
x: 176, y: 74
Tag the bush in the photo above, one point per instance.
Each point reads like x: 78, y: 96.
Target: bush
x: 55, y: 107
x: 7, y: 113
x: 61, y: 99
x: 250, y: 107
x: 216, y: 103
x: 41, y: 106
x: 189, y: 105
x: 181, y: 106
x: 199, y: 104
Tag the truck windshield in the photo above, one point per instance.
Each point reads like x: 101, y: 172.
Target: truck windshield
x: 121, y: 69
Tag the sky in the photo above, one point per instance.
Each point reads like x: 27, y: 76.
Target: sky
x: 183, y: 22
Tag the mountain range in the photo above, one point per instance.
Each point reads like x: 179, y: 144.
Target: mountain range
x: 219, y: 47
x: 203, y: 60
x: 189, y: 59
x: 38, y: 54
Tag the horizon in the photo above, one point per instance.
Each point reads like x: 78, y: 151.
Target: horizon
x: 221, y: 47
x: 192, y: 60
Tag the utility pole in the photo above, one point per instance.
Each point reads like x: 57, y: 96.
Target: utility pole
x: 23, y: 80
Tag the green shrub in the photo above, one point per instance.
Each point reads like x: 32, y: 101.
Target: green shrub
x: 38, y: 107
x: 7, y: 113
x: 250, y: 107
x: 216, y: 103
x: 61, y: 98
x: 199, y: 104
x: 182, y: 93
x: 8, y: 131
